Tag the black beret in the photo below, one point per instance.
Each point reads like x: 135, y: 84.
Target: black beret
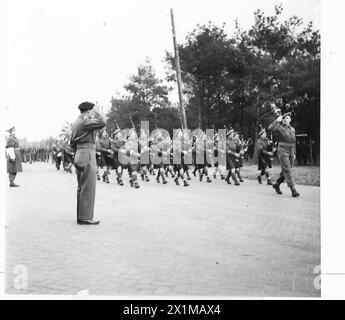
x: 85, y: 106
x: 286, y: 114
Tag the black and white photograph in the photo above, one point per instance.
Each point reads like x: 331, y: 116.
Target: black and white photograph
x: 162, y: 148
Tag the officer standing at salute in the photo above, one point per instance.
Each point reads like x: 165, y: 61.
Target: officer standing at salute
x: 83, y: 141
x: 286, y: 150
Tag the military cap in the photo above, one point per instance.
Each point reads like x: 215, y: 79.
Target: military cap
x: 286, y: 114
x: 85, y: 106
x: 230, y: 132
x: 11, y: 129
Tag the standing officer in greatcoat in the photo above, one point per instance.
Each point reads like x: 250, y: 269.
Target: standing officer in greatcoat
x: 286, y: 137
x: 83, y: 141
x: 14, y: 161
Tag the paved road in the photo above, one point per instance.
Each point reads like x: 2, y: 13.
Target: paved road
x: 204, y: 240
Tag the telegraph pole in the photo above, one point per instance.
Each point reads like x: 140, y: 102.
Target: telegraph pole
x: 178, y: 73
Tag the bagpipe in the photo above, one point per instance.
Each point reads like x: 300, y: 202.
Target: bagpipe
x: 272, y: 147
x: 244, y: 146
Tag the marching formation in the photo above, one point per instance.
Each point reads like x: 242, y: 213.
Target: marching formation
x: 96, y: 153
x: 160, y: 158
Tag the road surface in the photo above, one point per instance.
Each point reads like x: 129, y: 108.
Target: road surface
x: 161, y: 240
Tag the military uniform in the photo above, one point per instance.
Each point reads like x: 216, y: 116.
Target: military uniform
x: 104, y: 146
x: 286, y: 137
x: 231, y: 160
x: 264, y: 158
x: 57, y: 154
x: 83, y: 142
x: 117, y: 146
x: 14, y: 164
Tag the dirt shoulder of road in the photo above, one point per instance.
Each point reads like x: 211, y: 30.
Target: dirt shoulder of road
x: 303, y: 175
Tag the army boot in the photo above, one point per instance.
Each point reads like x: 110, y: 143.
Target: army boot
x: 235, y: 178
x: 239, y: 176
x: 259, y: 179
x: 294, y: 192
x: 176, y: 181
x: 276, y: 187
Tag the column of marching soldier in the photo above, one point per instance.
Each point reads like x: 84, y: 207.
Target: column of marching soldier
x: 158, y: 155
x: 160, y: 152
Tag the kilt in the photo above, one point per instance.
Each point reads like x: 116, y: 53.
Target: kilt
x: 264, y: 162
x: 107, y: 160
x: 231, y: 162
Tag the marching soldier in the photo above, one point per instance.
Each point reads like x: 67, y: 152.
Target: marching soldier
x: 178, y: 156
x: 68, y: 156
x: 104, y: 146
x: 216, y: 153
x: 286, y: 149
x: 145, y: 154
x: 99, y: 161
x: 240, y: 149
x: 83, y: 141
x: 231, y: 156
x: 14, y: 161
x: 264, y: 156
x: 57, y: 154
x: 117, y: 146
x: 200, y: 156
x: 159, y: 155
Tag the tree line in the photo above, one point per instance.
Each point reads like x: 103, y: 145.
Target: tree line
x: 232, y: 80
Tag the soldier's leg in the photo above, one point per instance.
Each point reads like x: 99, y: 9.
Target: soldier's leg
x: 286, y: 166
x: 261, y: 173
x: 205, y: 172
x: 238, y: 172
x: 161, y: 169
x: 79, y: 172
x: 234, y: 177
x: 194, y: 171
x: 290, y: 181
x: 86, y: 191
x: 146, y: 174
x: 135, y: 179
x: 12, y: 177
x: 227, y: 178
x: 158, y: 175
x: 183, y: 177
x: 177, y: 174
x: 119, y: 171
x: 268, y: 178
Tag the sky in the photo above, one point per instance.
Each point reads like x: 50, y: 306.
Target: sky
x: 61, y: 53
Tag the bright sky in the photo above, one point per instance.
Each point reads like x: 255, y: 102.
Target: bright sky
x: 60, y: 53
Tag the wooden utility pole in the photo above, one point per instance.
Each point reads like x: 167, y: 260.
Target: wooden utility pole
x: 178, y: 73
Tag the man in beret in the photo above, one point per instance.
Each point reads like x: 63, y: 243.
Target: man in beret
x: 286, y: 137
x: 14, y: 161
x: 83, y: 142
